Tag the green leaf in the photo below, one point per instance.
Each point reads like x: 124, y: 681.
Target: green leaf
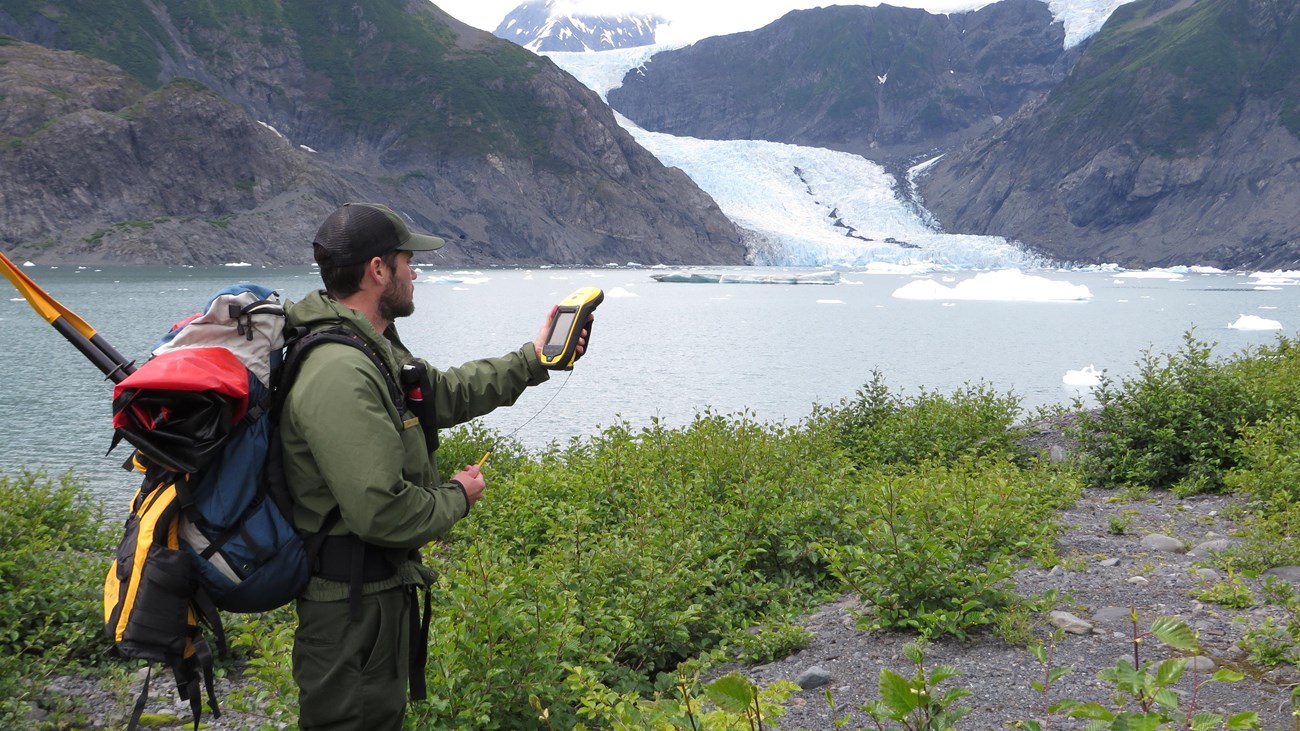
x: 1137, y: 722
x: 1057, y: 673
x: 897, y: 693
x: 1095, y: 711
x: 1224, y: 675
x: 1167, y: 698
x: 733, y: 692
x: 1174, y: 632
x: 1242, y: 721
x: 1205, y: 721
x: 1170, y: 671
x: 942, y: 673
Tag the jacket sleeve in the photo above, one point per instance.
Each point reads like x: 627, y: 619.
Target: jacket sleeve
x: 479, y: 386
x: 363, y: 455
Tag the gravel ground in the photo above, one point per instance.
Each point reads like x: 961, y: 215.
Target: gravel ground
x: 1099, y: 587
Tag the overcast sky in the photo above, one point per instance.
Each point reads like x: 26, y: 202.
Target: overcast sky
x: 692, y: 19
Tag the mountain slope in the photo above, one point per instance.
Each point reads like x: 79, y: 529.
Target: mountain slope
x: 885, y: 82
x: 475, y: 138
x: 537, y: 26
x: 1175, y: 140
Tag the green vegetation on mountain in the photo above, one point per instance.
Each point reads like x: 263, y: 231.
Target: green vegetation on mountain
x: 380, y: 67
x: 1173, y: 71
x: 121, y: 32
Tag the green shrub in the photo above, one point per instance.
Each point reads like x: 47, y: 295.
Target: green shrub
x: 878, y: 427
x: 1268, y: 476
x: 54, y: 551
x: 1173, y: 426
x: 626, y: 555
x: 935, y: 546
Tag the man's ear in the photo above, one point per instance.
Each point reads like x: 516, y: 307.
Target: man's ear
x: 376, y: 271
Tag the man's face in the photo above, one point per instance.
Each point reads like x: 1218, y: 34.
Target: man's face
x: 398, y: 299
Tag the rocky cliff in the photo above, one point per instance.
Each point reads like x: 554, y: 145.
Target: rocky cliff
x: 1175, y: 140
x: 888, y: 83
x: 297, y: 106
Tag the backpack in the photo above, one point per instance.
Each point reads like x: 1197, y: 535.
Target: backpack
x: 210, y: 526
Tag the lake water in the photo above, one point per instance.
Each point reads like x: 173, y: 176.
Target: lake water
x: 659, y: 350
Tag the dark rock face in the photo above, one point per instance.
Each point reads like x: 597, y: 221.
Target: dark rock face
x: 100, y: 168
x: 535, y: 25
x: 472, y: 137
x: 1175, y: 140
x: 887, y: 83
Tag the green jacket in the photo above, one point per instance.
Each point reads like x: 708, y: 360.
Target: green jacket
x: 346, y: 445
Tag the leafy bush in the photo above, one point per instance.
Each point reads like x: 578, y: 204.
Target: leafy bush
x: 1173, y: 426
x: 626, y: 555
x: 878, y: 427
x: 935, y: 546
x: 1268, y: 475
x: 54, y: 551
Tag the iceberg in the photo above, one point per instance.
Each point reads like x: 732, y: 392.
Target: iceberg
x: 1009, y: 285
x: 1255, y: 322
x: 1086, y: 376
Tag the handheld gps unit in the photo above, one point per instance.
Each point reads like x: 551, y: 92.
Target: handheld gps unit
x: 561, y: 349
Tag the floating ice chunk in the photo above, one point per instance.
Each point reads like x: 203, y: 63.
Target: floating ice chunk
x: 1276, y: 278
x: 237, y: 264
x: 1008, y: 285
x: 620, y: 292
x: 1170, y: 274
x: 1085, y: 376
x: 687, y: 278
x: 456, y: 278
x: 1255, y: 322
x: 28, y: 264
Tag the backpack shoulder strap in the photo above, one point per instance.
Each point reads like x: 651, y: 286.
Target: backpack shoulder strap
x: 300, y: 344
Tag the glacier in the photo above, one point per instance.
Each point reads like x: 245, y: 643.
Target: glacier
x: 803, y: 206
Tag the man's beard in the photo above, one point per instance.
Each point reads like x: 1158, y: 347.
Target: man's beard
x: 393, y: 305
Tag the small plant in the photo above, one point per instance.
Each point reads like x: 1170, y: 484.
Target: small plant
x: 1118, y: 525
x: 770, y: 642
x: 915, y: 704
x: 1269, y: 644
x: 730, y: 703
x: 1231, y: 592
x: 1144, y: 696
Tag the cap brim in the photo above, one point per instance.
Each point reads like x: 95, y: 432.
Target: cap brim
x: 421, y: 242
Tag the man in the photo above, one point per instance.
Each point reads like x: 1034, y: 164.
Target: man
x: 364, y: 472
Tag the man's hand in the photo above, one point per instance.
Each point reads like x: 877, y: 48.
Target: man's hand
x: 539, y: 342
x: 472, y: 480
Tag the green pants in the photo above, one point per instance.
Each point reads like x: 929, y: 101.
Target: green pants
x: 353, y: 674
